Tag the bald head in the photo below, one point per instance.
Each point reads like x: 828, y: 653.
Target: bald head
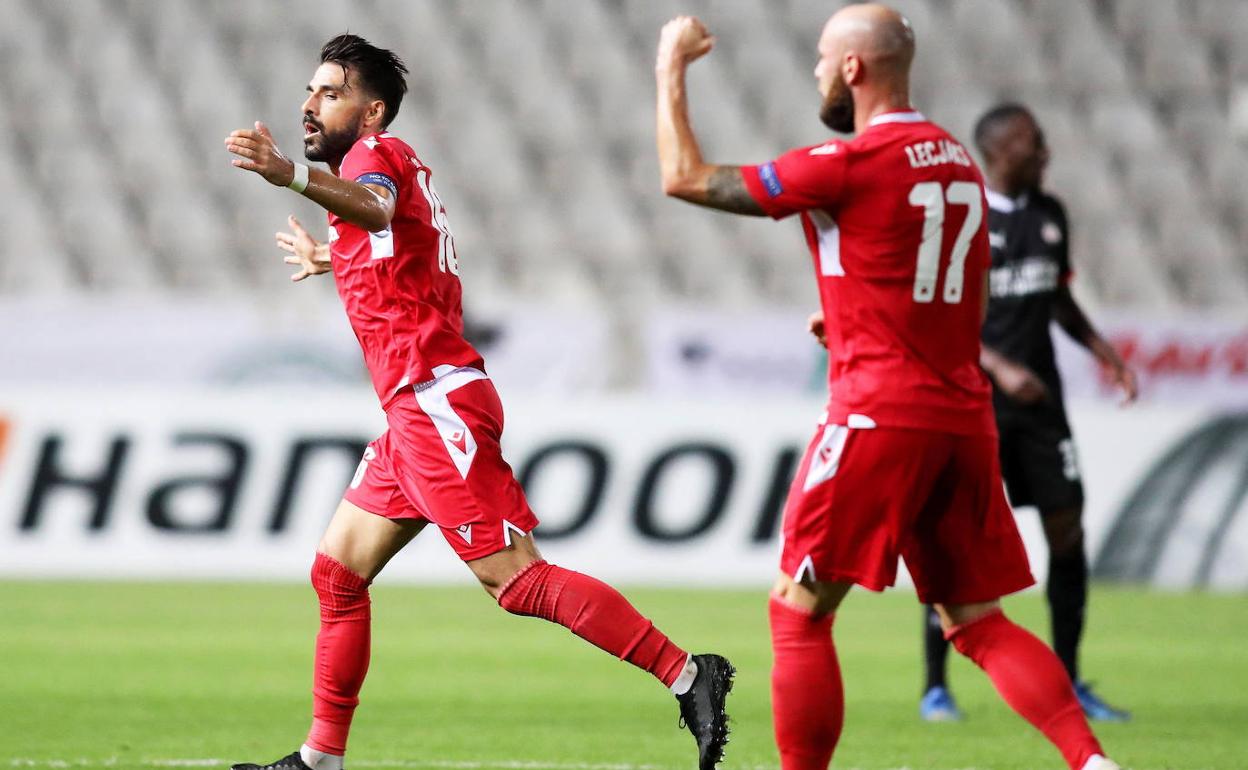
x: 877, y: 34
x: 864, y: 56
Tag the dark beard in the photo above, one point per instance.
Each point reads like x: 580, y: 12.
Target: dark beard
x: 327, y: 147
x: 837, y: 112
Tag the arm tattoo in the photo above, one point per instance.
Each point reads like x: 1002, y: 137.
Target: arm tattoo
x: 725, y: 190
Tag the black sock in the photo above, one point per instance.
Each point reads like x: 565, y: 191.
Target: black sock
x: 935, y: 649
x: 1068, y: 597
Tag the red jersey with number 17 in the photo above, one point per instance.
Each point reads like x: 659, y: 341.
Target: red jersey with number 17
x: 400, y: 286
x: 895, y: 221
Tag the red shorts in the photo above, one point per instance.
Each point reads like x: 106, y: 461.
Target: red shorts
x: 440, y: 461
x: 865, y: 496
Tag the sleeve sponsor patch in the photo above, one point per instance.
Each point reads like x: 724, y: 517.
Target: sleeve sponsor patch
x: 380, y: 179
x: 771, y: 182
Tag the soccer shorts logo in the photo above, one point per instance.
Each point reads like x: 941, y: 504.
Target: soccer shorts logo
x: 826, y: 458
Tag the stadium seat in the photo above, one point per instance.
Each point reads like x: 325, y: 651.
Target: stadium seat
x: 538, y: 120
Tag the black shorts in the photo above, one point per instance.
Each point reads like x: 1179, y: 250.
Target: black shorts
x: 1038, y: 458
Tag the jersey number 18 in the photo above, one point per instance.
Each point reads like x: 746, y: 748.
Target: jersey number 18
x: 448, y: 260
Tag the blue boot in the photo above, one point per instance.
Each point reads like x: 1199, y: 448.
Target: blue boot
x: 1096, y: 709
x: 937, y: 705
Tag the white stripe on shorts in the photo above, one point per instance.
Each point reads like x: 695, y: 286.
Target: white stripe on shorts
x: 432, y: 398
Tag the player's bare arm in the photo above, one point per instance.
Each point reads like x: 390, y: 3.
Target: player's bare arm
x: 1075, y: 323
x: 312, y: 256
x: 685, y: 174
x: 1017, y: 381
x: 367, y: 205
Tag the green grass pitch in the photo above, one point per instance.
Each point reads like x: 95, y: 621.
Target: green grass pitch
x: 132, y: 675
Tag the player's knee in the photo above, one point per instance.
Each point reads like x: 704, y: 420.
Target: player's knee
x: 501, y: 571
x: 494, y: 585
x: 343, y: 595
x: 953, y: 616
x: 1063, y: 530
x: 818, y: 598
x: 525, y: 591
x: 493, y: 581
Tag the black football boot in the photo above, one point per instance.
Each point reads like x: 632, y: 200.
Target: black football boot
x: 288, y: 762
x: 702, y: 708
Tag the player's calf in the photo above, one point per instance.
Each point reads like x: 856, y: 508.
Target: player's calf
x: 342, y: 653
x: 597, y: 613
x: 807, y: 697
x: 1030, y: 678
x: 600, y: 615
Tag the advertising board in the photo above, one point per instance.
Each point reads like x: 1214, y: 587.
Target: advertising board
x: 230, y: 484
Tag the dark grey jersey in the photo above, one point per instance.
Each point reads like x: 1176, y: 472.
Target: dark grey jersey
x: 1030, y: 262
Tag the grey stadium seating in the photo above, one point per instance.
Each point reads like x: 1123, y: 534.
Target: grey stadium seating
x: 536, y: 116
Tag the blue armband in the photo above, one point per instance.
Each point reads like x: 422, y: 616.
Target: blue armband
x: 380, y: 179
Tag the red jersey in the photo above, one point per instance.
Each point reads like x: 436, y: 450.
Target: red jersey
x: 895, y: 220
x: 400, y: 286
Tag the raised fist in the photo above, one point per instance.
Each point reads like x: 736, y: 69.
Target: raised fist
x: 682, y: 40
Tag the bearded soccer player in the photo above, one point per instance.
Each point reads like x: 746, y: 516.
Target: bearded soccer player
x: 904, y: 463
x: 394, y: 262
x: 1028, y: 290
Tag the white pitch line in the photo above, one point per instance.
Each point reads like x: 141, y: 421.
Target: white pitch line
x: 436, y: 764
x: 415, y: 764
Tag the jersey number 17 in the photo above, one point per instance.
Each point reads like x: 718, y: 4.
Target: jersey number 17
x: 932, y: 199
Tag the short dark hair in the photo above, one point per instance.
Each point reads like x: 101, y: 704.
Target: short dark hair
x: 378, y: 71
x: 994, y: 118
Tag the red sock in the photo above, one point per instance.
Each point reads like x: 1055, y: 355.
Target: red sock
x: 1031, y: 679
x: 342, y: 648
x: 594, y: 611
x: 807, y: 699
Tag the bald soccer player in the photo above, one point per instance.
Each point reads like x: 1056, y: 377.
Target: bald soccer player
x: 904, y: 463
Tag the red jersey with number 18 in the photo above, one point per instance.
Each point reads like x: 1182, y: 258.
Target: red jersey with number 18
x: 895, y: 221
x: 400, y: 286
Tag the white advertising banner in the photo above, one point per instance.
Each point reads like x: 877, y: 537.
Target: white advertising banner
x: 1180, y: 360
x: 733, y: 353
x: 239, y: 485
x: 301, y: 337
x: 1183, y: 360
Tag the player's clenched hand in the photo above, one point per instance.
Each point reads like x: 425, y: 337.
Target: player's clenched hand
x: 257, y: 152
x: 1020, y: 383
x: 312, y: 257
x: 814, y: 325
x: 681, y: 41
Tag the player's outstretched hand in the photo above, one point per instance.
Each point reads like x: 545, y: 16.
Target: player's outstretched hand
x: 257, y: 152
x: 312, y: 257
x: 1124, y: 378
x: 1020, y: 383
x: 814, y: 325
x: 682, y: 40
